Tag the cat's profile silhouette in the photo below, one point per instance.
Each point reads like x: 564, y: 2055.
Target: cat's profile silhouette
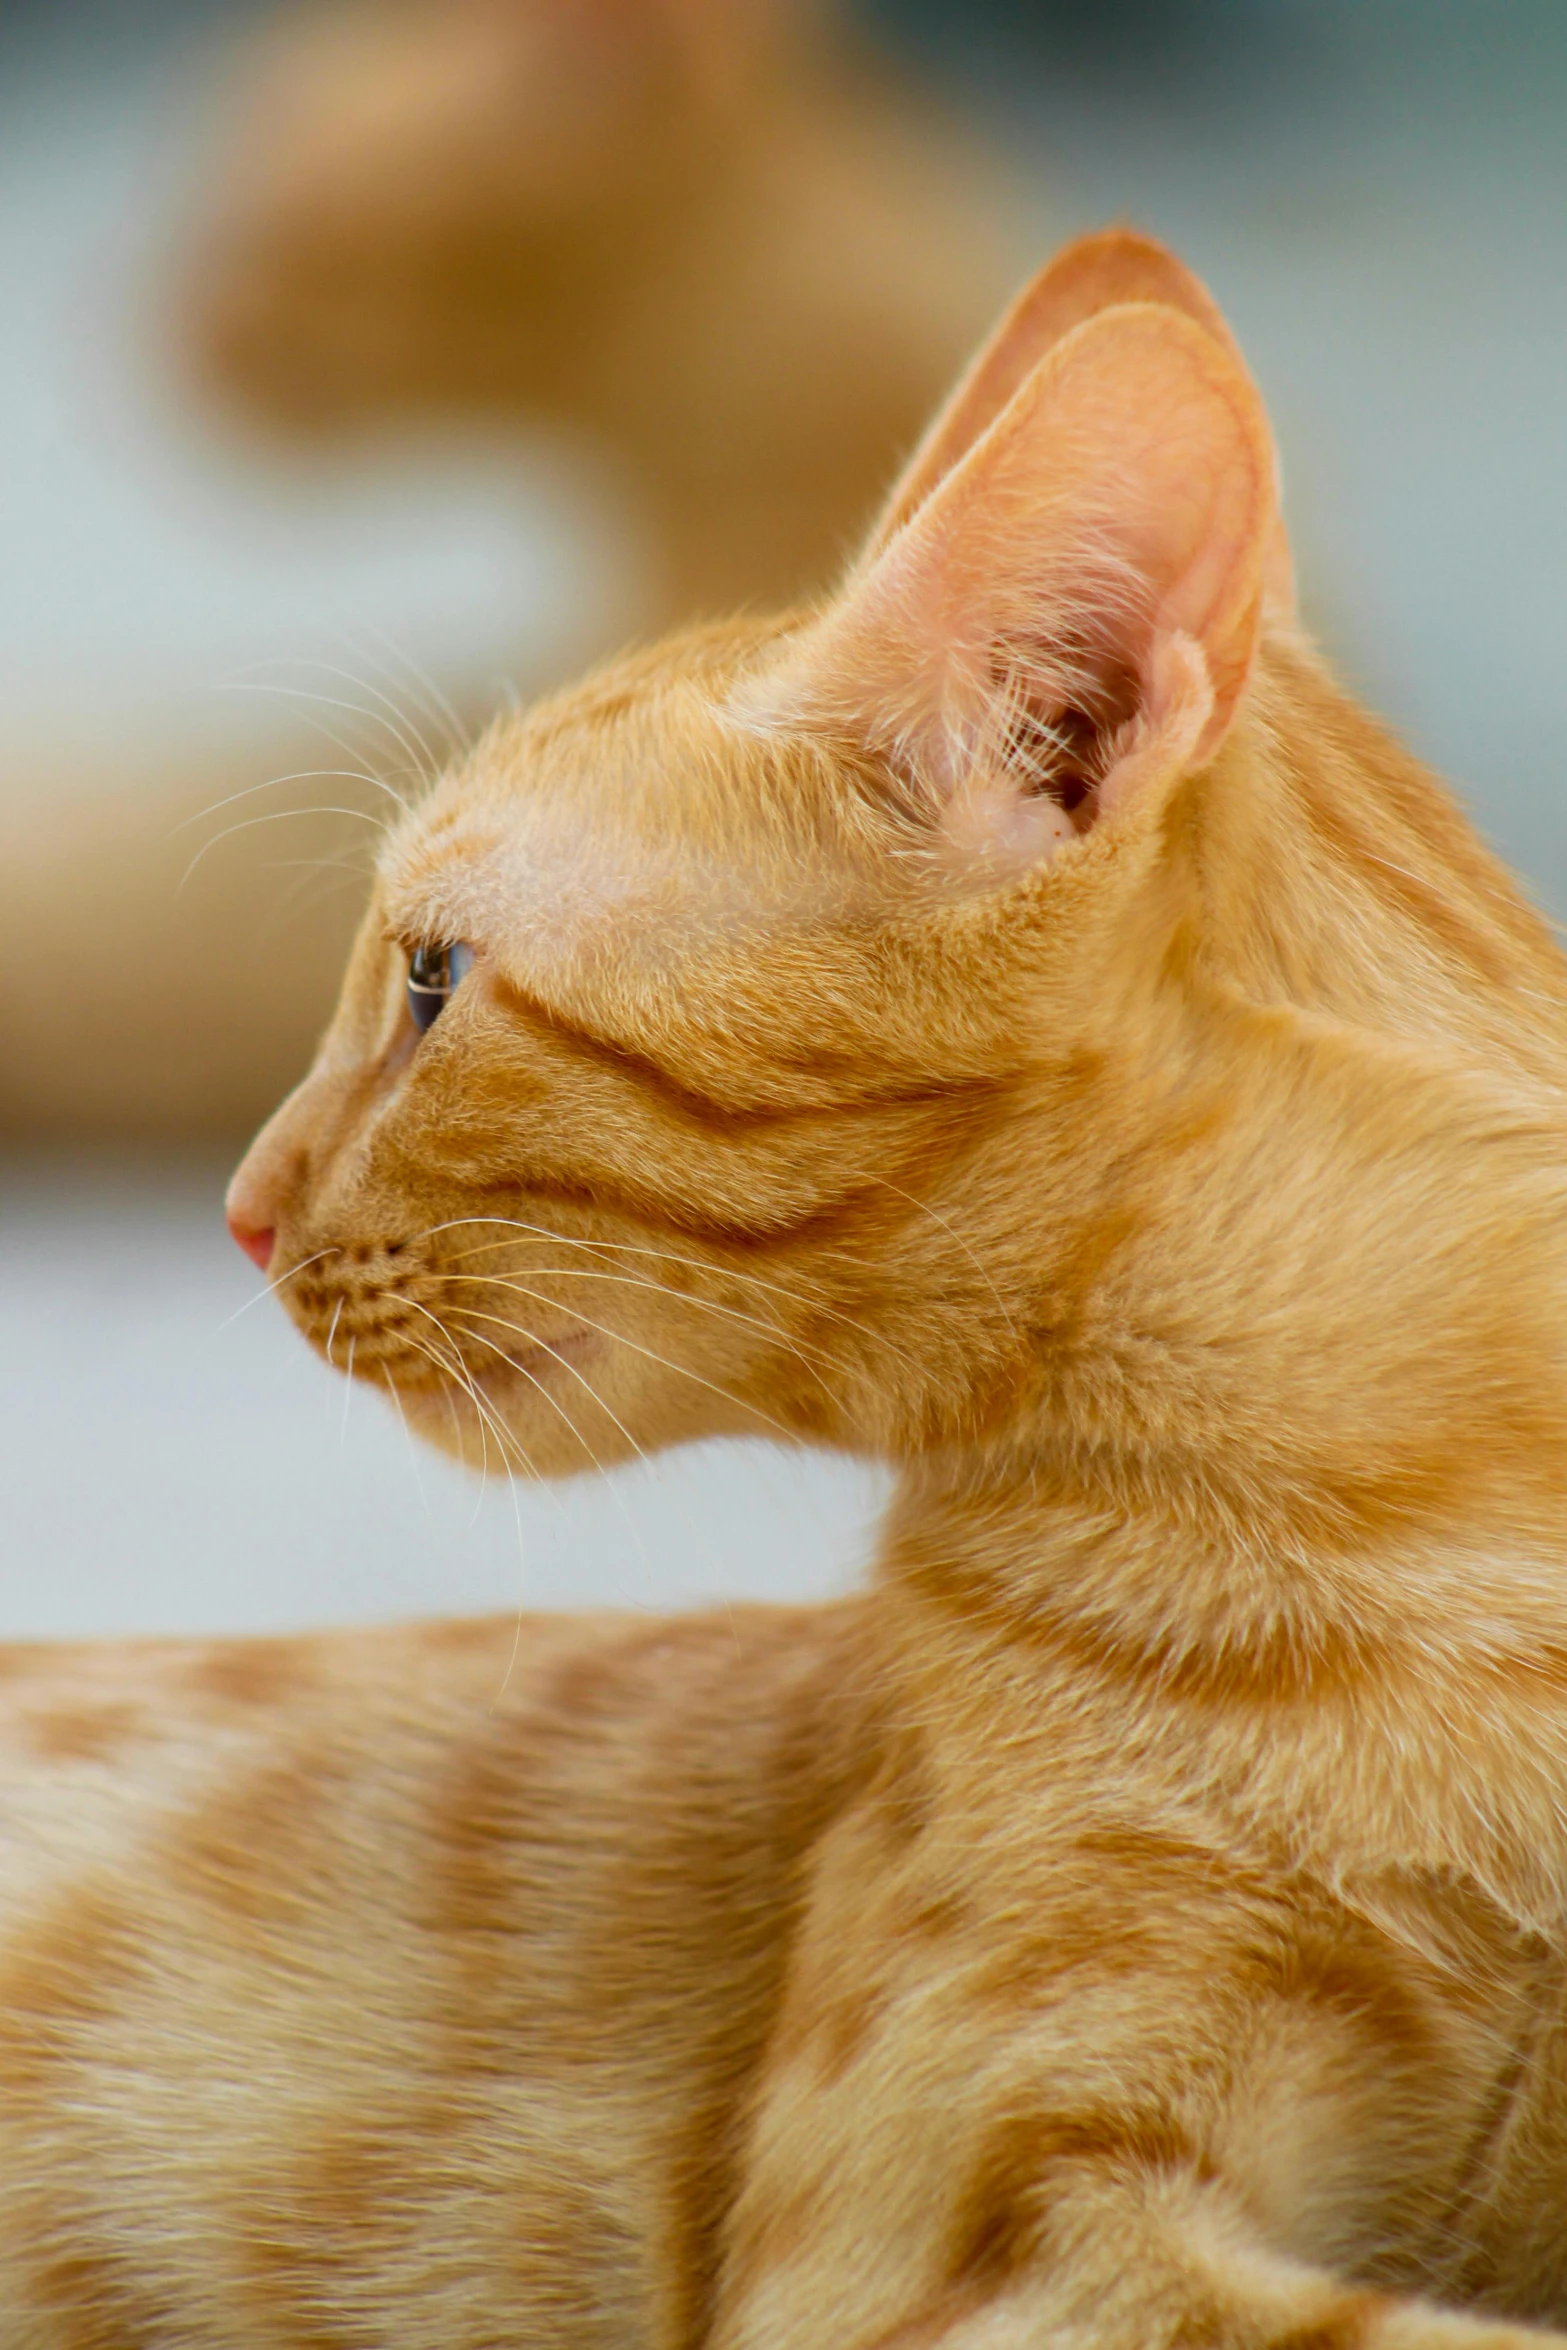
x: 1018, y: 1018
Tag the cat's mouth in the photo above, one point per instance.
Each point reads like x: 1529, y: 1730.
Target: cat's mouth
x: 394, y: 1327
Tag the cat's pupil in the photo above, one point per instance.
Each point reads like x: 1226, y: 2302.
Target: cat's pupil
x: 433, y: 973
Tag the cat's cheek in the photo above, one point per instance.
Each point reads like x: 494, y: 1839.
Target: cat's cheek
x: 399, y: 1054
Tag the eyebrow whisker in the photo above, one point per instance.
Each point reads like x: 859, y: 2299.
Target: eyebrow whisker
x: 275, y: 816
x: 243, y: 681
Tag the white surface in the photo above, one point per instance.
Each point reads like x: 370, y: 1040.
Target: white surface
x: 164, y: 1467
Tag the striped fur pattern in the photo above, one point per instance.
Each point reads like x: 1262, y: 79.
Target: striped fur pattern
x: 1022, y: 1021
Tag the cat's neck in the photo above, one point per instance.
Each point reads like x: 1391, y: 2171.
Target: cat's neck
x: 1379, y: 1716
x: 1272, y: 1368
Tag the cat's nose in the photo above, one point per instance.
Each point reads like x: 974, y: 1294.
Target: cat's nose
x: 256, y: 1243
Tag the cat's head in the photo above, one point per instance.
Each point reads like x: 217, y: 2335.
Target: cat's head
x: 901, y: 1025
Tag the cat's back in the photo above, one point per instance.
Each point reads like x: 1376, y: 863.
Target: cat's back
x: 374, y: 1964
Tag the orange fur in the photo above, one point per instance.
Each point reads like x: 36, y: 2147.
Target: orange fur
x: 1139, y: 1919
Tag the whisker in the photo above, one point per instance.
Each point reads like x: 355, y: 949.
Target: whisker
x: 333, y: 734
x: 348, y: 1391
x: 670, y: 1256
x: 680, y: 1369
x: 276, y: 783
x: 503, y: 1435
x: 272, y: 1287
x: 337, y: 1315
x: 482, y: 1405
x: 555, y: 1405
x: 521, y: 1368
x: 409, y: 680
x: 470, y: 1315
x: 656, y: 1289
x: 449, y: 1378
x: 957, y: 1240
x: 275, y: 816
x: 241, y: 683
x: 432, y: 701
x: 687, y: 1297
x: 400, y: 719
x: 491, y: 1421
x: 392, y: 1389
x: 447, y: 1395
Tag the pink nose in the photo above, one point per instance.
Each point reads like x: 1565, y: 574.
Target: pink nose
x: 256, y: 1245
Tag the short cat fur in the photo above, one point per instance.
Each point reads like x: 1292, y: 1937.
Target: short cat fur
x: 1018, y: 1019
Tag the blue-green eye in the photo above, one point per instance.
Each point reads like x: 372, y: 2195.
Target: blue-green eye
x: 433, y: 975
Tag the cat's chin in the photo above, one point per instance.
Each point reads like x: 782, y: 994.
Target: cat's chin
x: 539, y: 1416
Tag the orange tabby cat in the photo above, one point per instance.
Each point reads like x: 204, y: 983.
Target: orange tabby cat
x: 1020, y: 1020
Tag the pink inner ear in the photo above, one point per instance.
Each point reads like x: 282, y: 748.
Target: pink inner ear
x: 1110, y: 268
x: 1003, y: 648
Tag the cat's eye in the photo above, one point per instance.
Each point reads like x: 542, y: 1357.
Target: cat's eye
x: 434, y: 974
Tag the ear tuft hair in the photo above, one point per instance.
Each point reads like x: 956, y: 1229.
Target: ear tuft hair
x: 1081, y: 588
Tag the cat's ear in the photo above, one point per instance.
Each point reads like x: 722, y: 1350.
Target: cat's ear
x: 1098, y: 272
x: 1073, y: 610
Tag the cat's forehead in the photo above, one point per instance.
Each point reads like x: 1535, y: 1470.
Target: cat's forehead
x: 640, y: 823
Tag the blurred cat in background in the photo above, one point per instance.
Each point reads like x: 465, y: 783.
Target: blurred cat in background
x: 730, y: 255
x: 712, y: 235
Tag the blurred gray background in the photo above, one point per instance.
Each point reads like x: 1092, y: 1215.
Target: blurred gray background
x: 1377, y: 194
